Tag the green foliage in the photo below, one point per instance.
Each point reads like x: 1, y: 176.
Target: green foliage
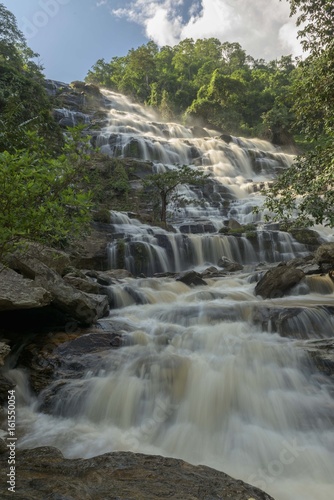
x: 24, y: 104
x: 306, y: 189
x: 42, y: 198
x: 213, y: 82
x: 164, y: 185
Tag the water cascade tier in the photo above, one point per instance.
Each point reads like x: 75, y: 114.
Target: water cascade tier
x: 211, y: 374
x: 238, y: 168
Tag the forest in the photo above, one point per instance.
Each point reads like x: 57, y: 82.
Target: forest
x: 210, y: 83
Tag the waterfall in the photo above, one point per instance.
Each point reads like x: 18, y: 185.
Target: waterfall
x: 238, y: 169
x: 212, y: 374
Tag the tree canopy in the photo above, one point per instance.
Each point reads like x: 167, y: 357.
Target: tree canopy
x: 207, y: 81
x: 164, y: 185
x: 306, y: 189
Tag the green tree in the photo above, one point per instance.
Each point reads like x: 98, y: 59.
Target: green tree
x: 165, y: 184
x: 43, y: 198
x: 23, y: 99
x: 306, y: 188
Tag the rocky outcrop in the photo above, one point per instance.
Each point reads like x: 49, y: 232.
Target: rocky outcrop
x: 32, y: 284
x: 91, y: 252
x: 83, y: 307
x: 16, y: 292
x: 45, y: 473
x: 307, y: 237
x: 191, y: 278
x: 229, y: 265
x: 278, y: 281
x: 52, y: 359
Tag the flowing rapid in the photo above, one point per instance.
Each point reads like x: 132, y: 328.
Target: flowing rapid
x: 211, y: 374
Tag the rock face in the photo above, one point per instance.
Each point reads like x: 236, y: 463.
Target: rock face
x: 278, y: 281
x: 44, y: 473
x: 34, y: 281
x: 83, y: 307
x: 19, y: 293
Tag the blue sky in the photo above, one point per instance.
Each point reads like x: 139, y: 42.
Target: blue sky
x: 70, y: 35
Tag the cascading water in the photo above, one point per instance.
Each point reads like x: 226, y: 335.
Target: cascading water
x: 213, y: 374
x: 238, y: 168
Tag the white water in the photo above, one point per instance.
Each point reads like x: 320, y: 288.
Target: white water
x: 198, y: 378
x: 200, y: 381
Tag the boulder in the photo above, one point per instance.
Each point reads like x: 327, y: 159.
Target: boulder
x: 191, y: 278
x: 83, y: 307
x: 324, y: 256
x: 229, y: 265
x: 307, y: 237
x: 52, y: 359
x: 16, y: 292
x: 92, y: 252
x: 234, y: 224
x: 278, y: 281
x: 44, y: 473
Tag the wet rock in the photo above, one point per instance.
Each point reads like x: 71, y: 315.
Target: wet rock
x: 85, y: 285
x: 278, y: 281
x: 199, y: 132
x: 212, y: 272
x: 92, y: 252
x: 226, y: 137
x: 307, y: 264
x: 229, y: 265
x: 324, y: 256
x: 85, y: 308
x: 322, y: 353
x: 44, y: 474
x: 56, y: 357
x: 16, y: 292
x: 191, y: 278
x: 234, y: 224
x: 198, y: 228
x: 307, y: 237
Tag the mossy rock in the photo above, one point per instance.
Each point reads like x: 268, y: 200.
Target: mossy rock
x: 102, y: 215
x: 306, y: 236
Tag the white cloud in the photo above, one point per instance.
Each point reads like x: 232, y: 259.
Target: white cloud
x: 101, y: 2
x: 262, y: 27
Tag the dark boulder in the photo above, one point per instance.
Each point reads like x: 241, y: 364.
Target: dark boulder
x: 45, y: 473
x: 191, y: 278
x: 278, y: 281
x: 229, y: 265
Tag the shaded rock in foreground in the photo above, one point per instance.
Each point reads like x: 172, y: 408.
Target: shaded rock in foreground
x: 278, y: 281
x: 44, y: 473
x: 83, y: 307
